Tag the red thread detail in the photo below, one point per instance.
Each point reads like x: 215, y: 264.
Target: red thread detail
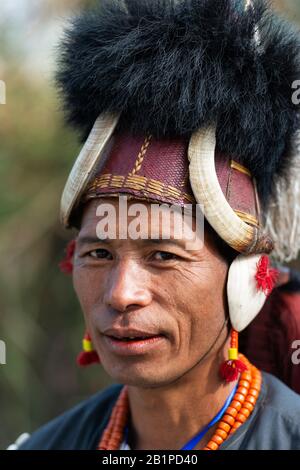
x: 86, y: 358
x: 265, y: 275
x: 87, y: 336
x: 229, y: 370
x: 66, y: 265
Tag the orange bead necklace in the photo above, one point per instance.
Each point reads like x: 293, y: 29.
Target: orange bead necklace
x: 236, y: 414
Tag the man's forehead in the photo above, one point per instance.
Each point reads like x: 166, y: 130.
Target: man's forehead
x: 93, y: 208
x: 120, y: 201
x: 108, y: 222
x: 117, y: 219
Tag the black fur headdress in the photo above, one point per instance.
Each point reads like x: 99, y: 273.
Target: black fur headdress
x: 173, y: 66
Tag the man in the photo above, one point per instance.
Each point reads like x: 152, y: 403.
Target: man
x: 185, y: 103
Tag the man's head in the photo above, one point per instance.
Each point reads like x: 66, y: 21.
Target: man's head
x: 157, y: 287
x: 165, y: 120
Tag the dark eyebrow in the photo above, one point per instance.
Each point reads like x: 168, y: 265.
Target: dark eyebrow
x: 88, y: 240
x: 171, y: 241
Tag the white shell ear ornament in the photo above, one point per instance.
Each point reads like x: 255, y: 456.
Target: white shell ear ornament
x: 250, y: 282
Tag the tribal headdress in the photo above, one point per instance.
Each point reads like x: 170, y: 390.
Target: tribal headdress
x: 183, y: 101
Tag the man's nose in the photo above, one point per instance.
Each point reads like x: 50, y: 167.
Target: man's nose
x: 127, y: 287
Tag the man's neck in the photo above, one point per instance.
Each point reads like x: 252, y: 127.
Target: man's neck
x: 168, y: 417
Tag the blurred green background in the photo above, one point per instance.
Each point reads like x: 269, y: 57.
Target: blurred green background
x: 40, y: 318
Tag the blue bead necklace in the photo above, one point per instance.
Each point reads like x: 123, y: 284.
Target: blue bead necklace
x: 197, y: 438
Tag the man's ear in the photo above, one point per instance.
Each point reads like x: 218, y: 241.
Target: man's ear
x: 66, y: 265
x: 224, y: 250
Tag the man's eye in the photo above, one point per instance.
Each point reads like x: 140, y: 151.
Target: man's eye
x: 100, y: 253
x: 164, y: 256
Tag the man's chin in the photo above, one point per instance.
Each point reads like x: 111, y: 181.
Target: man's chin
x: 137, y: 378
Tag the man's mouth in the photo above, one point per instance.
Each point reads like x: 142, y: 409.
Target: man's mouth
x: 132, y: 342
x: 134, y: 338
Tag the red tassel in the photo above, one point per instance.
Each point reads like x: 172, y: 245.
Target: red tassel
x: 66, y: 265
x: 230, y: 370
x: 88, y: 355
x: 86, y: 358
x: 265, y: 275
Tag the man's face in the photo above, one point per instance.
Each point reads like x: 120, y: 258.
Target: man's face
x: 148, y: 288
